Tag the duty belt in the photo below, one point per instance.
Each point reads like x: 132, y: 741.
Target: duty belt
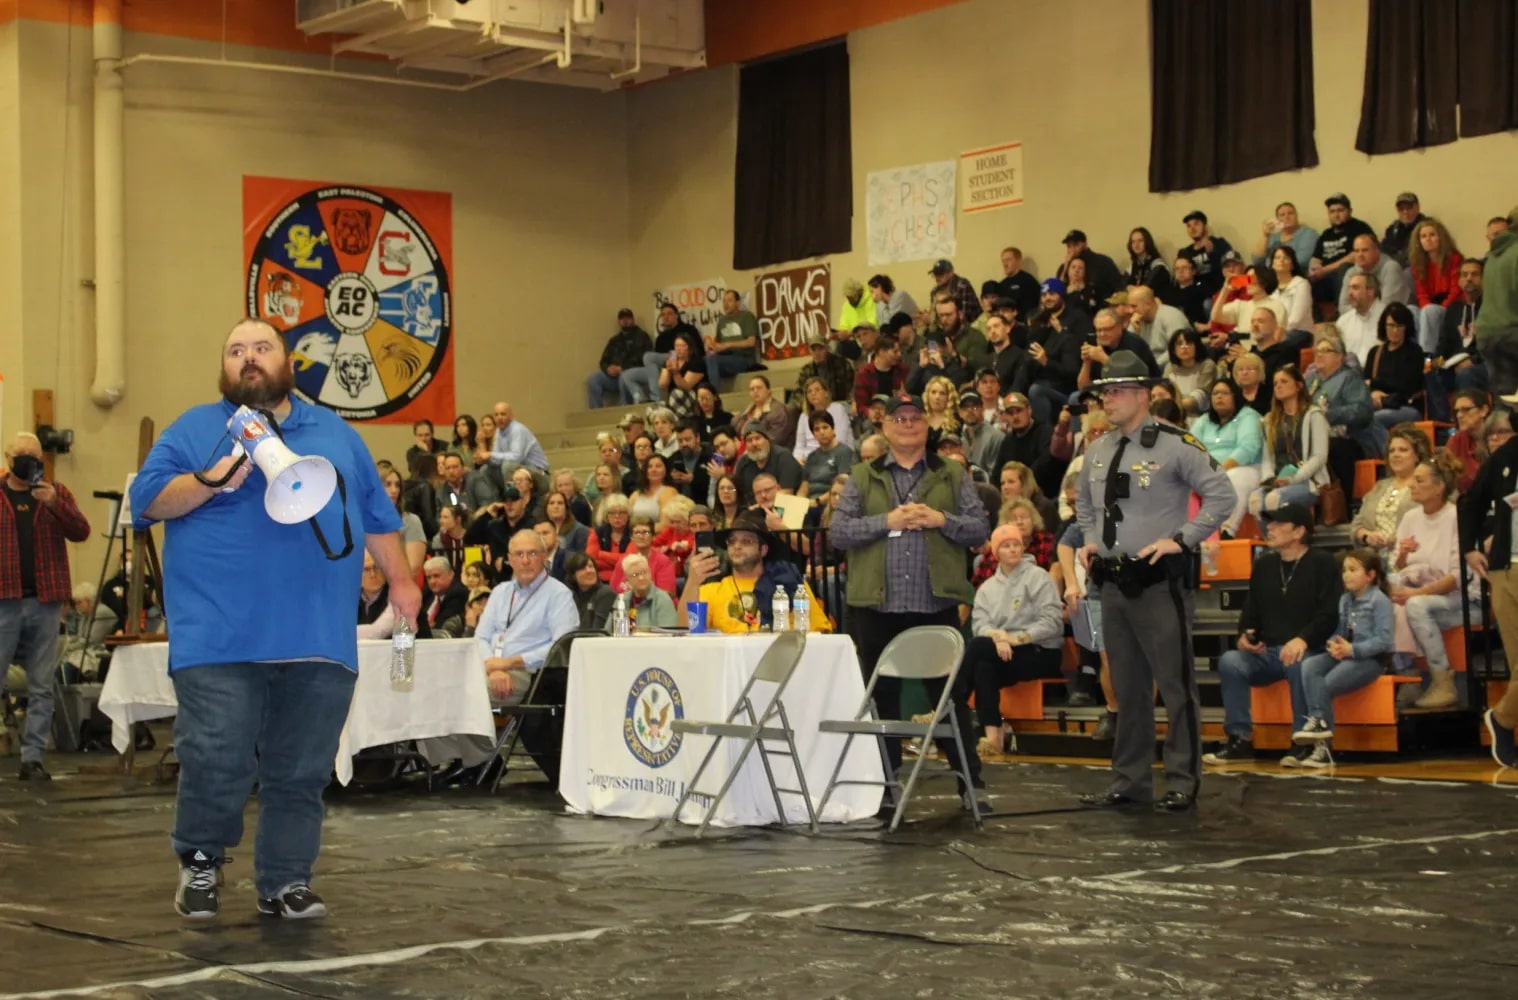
x: 1133, y: 576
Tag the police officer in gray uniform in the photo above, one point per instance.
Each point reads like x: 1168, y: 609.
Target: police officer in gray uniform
x: 1131, y: 506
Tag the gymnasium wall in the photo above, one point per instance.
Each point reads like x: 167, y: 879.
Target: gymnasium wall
x: 538, y: 177
x: 1071, y: 82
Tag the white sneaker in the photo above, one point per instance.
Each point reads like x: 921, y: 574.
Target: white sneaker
x: 1314, y: 730
x: 1319, y: 758
x: 1294, y: 758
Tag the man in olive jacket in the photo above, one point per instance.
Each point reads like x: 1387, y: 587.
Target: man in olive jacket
x: 906, y: 520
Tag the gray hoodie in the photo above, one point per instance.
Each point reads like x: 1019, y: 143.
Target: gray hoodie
x: 1021, y: 601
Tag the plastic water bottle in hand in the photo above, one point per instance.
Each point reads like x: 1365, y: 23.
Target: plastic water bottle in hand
x: 801, y: 610
x: 402, y: 656
x: 780, y: 611
x: 1210, y: 558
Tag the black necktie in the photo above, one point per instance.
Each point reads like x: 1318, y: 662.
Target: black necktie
x: 1111, y: 516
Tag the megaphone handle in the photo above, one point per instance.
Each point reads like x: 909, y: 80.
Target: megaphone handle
x: 220, y: 484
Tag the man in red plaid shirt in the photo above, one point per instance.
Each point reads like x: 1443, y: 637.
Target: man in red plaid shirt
x: 36, y: 518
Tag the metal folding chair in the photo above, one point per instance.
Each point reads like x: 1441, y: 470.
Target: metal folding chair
x: 923, y: 653
x: 775, y: 667
x: 510, y: 736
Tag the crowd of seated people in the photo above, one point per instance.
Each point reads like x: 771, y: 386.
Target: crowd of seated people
x: 1290, y: 364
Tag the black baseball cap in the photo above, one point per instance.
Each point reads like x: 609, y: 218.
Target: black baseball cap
x: 1074, y: 236
x: 1337, y: 198
x: 1291, y: 513
x: 624, y: 311
x: 990, y: 288
x: 900, y: 399
x: 1197, y: 214
x: 941, y: 267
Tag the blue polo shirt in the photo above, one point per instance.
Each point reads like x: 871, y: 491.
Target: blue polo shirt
x: 239, y: 587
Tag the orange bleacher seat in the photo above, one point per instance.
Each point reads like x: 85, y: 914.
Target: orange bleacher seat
x: 1454, y: 649
x: 1304, y: 359
x: 1367, y: 471
x: 1373, y: 705
x: 1429, y: 427
x: 1249, y: 528
x: 1235, y: 559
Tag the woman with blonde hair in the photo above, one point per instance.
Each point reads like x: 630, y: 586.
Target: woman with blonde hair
x: 1017, y: 483
x: 1435, y: 261
x: 819, y: 399
x: 1295, y: 464
x: 940, y: 402
x: 610, y: 541
x: 1248, y: 374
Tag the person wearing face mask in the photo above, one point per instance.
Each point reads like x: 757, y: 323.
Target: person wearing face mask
x: 37, y: 518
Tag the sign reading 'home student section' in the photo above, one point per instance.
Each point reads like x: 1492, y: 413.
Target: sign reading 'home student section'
x: 991, y: 178
x: 791, y: 306
x: 357, y: 281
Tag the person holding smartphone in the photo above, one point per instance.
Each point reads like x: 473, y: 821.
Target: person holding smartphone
x: 37, y: 517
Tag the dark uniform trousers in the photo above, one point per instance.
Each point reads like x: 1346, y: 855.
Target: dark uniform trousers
x: 872, y: 631
x: 1148, y: 639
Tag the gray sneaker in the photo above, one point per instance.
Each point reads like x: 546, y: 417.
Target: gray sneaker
x: 200, y: 880
x: 1318, y: 758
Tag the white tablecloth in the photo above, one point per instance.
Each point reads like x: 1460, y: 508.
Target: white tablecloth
x: 616, y: 764
x: 450, y: 696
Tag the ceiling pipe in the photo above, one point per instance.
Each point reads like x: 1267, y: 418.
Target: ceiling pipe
x: 457, y: 88
x: 637, y: 66
x: 110, y: 206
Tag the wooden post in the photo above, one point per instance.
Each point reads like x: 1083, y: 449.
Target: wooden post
x: 42, y: 413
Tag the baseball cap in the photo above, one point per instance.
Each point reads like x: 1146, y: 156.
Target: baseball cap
x: 969, y: 397
x: 989, y: 288
x: 1291, y: 513
x: 1074, y: 236
x: 949, y: 437
x: 1195, y: 214
x: 1337, y: 198
x: 630, y: 419
x: 941, y: 266
x: 755, y: 427
x: 624, y: 311
x: 816, y: 340
x: 1233, y: 257
x: 880, y: 397
x: 511, y: 492
x: 1014, y: 401
x: 901, y: 399
x: 1052, y: 285
x: 853, y: 287
x: 1406, y: 198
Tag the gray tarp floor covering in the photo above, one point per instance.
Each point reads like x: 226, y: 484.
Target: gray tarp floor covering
x: 1279, y: 888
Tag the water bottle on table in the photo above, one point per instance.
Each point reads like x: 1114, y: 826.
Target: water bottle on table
x: 621, y: 624
x: 402, y: 656
x: 801, y: 609
x: 780, y: 611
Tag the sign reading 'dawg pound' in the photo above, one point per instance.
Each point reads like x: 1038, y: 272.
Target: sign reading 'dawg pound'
x: 791, y: 307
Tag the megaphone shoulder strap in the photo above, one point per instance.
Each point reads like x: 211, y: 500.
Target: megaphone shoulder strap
x: 316, y: 529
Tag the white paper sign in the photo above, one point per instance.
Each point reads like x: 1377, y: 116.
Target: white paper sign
x: 909, y: 213
x: 699, y: 302
x: 991, y: 178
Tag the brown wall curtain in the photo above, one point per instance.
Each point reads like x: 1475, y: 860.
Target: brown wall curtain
x: 1488, y: 39
x: 1232, y: 91
x: 1410, y: 90
x: 794, y: 186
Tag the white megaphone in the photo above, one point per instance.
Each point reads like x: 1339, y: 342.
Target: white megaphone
x: 299, y: 485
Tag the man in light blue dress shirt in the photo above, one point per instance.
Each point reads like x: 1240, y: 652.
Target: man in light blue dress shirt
x: 515, y: 446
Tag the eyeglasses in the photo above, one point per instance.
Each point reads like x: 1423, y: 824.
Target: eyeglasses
x: 906, y: 419
x: 1461, y: 411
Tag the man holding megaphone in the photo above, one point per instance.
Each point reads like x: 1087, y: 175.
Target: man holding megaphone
x: 263, y: 653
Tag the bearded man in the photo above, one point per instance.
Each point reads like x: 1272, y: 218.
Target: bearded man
x: 264, y: 655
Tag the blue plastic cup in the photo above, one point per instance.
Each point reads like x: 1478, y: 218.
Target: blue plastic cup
x: 696, y: 616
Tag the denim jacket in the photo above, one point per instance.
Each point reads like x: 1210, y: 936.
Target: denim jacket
x: 1366, y: 621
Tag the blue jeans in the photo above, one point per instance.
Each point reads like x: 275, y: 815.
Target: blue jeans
x: 641, y: 385
x: 1239, y: 671
x: 1046, y: 402
x: 1400, y: 415
x: 1430, y: 319
x: 1441, y: 384
x: 29, y: 636
x: 598, y: 384
x: 1325, y: 678
x: 1428, y: 615
x: 718, y: 365
x: 276, y: 722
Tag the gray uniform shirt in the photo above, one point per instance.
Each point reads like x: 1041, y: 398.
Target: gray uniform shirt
x: 1161, y: 478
